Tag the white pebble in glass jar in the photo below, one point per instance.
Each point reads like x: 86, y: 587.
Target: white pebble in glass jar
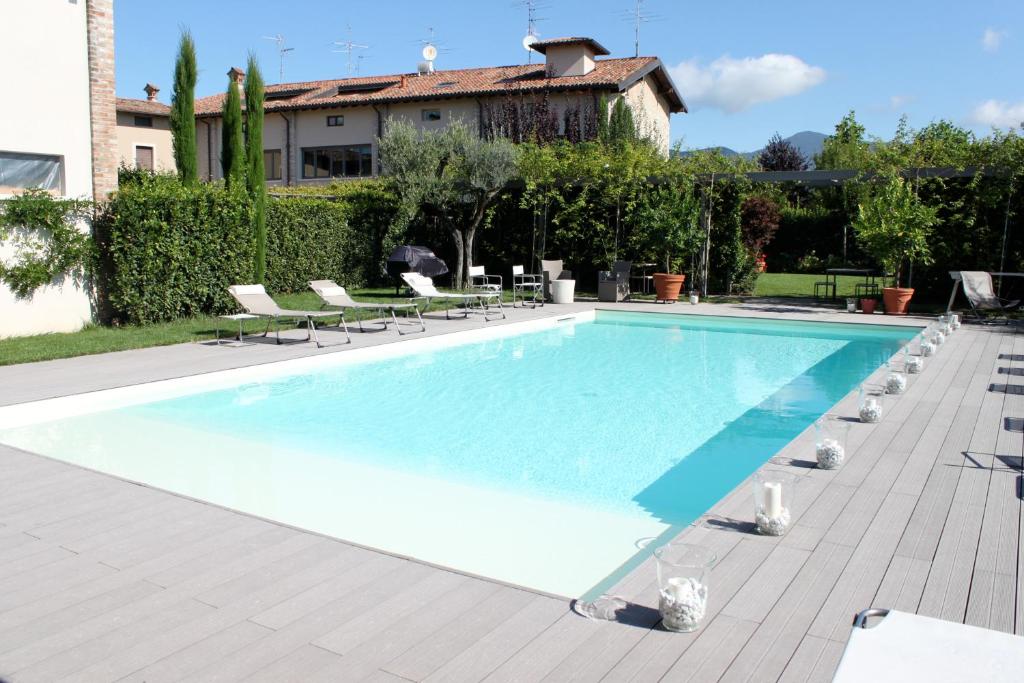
x: 871, y: 411
x: 927, y: 349
x: 938, y: 338
x: 955, y: 323
x: 896, y: 383
x: 772, y: 526
x: 683, y: 604
x: 914, y: 365
x: 830, y: 454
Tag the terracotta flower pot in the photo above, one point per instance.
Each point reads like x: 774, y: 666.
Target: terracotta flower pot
x: 897, y: 299
x: 667, y: 286
x: 867, y: 306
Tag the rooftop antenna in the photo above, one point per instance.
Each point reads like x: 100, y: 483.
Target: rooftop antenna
x: 348, y: 46
x: 532, y: 33
x: 431, y: 49
x: 359, y: 62
x: 281, y: 52
x: 637, y: 15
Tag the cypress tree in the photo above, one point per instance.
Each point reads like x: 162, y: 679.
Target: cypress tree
x: 183, y: 115
x: 256, y: 175
x: 232, y: 156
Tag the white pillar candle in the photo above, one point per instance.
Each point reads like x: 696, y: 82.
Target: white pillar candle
x: 772, y: 499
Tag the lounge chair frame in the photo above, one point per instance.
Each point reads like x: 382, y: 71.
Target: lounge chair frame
x: 426, y: 291
x: 255, y: 300
x: 333, y: 294
x: 1002, y: 306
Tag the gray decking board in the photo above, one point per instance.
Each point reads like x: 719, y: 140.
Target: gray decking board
x: 120, y: 580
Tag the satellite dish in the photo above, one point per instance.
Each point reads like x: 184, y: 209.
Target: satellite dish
x: 528, y: 41
x: 429, y: 52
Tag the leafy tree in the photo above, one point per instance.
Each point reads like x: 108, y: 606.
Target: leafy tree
x: 183, y: 117
x: 450, y: 174
x: 894, y: 226
x: 846, y: 148
x: 760, y: 218
x: 256, y: 175
x: 232, y: 155
x: 621, y: 126
x: 781, y: 155
x: 668, y: 221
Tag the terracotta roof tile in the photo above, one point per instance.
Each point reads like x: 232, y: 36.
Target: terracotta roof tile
x: 497, y: 80
x: 133, y: 106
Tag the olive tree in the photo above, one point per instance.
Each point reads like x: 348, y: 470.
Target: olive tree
x: 450, y: 174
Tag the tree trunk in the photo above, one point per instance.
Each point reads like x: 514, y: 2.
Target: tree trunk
x: 470, y: 236
x: 459, y: 258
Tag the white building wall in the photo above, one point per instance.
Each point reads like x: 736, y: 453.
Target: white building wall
x: 650, y: 112
x: 44, y: 109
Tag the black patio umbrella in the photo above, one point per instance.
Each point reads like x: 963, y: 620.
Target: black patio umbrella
x: 408, y: 258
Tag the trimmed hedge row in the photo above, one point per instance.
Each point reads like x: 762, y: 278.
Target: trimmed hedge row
x: 169, y: 251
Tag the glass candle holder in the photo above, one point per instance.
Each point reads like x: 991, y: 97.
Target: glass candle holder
x: 954, y: 320
x: 895, y: 379
x: 683, y: 571
x: 912, y: 365
x: 774, y: 491
x: 694, y: 297
x: 944, y: 325
x: 830, y: 433
x: 851, y: 305
x: 870, y: 406
x: 927, y: 348
x: 935, y: 335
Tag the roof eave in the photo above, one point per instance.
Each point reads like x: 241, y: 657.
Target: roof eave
x: 668, y: 89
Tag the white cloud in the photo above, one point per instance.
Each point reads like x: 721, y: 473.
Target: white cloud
x: 897, y: 102
x: 991, y: 39
x: 999, y: 114
x: 737, y: 84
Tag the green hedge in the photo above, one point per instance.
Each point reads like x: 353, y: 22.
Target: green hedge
x: 169, y: 251
x: 308, y: 239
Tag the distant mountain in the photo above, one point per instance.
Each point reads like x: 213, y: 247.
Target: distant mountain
x: 808, y: 142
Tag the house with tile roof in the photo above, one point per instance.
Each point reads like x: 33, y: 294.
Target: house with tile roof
x: 144, y: 132
x: 318, y: 131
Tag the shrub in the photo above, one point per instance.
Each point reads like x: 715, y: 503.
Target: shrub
x: 308, y: 239
x: 170, y: 250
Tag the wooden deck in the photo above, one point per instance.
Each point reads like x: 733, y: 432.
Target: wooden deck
x: 101, y: 579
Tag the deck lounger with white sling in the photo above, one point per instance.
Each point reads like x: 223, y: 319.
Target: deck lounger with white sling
x: 333, y: 294
x: 255, y: 300
x: 980, y: 293
x: 424, y: 289
x: 909, y: 647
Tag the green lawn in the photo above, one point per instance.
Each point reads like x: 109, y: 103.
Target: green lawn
x: 96, y: 339
x: 801, y: 284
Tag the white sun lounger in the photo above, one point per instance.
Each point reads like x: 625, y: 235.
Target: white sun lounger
x: 980, y: 293
x: 255, y: 300
x: 333, y: 294
x: 908, y: 647
x: 424, y: 289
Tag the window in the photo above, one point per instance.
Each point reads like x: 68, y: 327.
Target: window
x: 350, y: 161
x: 24, y: 171
x: 144, y: 158
x: 430, y: 114
x: 144, y: 121
x: 272, y: 163
x: 335, y: 120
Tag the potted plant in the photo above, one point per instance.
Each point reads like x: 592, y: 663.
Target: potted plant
x: 893, y: 226
x: 668, y: 216
x: 867, y: 305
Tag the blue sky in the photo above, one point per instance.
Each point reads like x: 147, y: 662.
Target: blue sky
x: 747, y: 68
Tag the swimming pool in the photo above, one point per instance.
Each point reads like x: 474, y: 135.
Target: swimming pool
x: 533, y: 453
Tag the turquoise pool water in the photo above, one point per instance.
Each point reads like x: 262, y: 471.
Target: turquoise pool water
x: 538, y: 459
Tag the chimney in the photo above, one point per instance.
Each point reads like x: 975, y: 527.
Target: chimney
x: 238, y: 76
x: 151, y: 91
x: 569, y: 56
x: 401, y: 83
